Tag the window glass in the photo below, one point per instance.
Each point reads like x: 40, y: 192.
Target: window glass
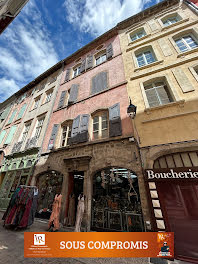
x: 100, y: 126
x: 138, y: 35
x: 76, y: 71
x: 145, y: 58
x: 36, y: 103
x: 39, y: 127
x: 171, y: 20
x: 25, y: 132
x: 186, y: 43
x: 66, y: 134
x: 48, y: 96
x: 101, y: 59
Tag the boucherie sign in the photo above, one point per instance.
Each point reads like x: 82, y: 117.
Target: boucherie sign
x: 179, y: 173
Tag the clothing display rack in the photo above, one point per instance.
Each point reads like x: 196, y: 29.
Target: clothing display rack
x: 22, y: 207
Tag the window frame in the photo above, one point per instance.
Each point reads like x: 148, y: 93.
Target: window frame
x: 39, y: 126
x: 181, y: 37
x: 100, y: 114
x: 48, y: 96
x: 76, y: 67
x: 25, y: 131
x: 37, y: 99
x: 68, y: 131
x: 144, y: 57
x: 136, y: 33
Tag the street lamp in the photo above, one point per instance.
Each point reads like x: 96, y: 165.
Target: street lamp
x: 131, y: 110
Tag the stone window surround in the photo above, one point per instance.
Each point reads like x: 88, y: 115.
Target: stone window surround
x: 189, y: 31
x: 136, y: 30
x: 180, y: 15
x: 155, y: 52
x: 192, y: 70
x: 171, y: 89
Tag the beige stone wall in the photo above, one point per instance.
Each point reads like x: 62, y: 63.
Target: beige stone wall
x: 109, y: 153
x: 176, y: 121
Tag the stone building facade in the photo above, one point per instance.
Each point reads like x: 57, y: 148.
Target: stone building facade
x: 87, y: 145
x: 160, y: 54
x: 23, y: 131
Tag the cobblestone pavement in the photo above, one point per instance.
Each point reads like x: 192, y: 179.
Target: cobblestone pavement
x: 11, y: 250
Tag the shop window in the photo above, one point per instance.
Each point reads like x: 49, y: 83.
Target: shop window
x: 137, y: 35
x: 157, y: 93
x: 39, y: 126
x: 145, y: 58
x: 66, y: 134
x: 116, y: 201
x: 187, y: 42
x: 100, y: 125
x: 25, y: 132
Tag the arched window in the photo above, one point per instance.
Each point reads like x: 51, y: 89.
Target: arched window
x: 171, y: 19
x: 138, y: 34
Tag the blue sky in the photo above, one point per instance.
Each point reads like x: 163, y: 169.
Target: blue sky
x: 47, y: 31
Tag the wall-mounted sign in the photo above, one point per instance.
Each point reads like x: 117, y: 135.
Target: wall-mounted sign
x: 177, y: 173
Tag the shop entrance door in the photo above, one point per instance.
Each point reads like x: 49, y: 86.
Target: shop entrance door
x: 179, y: 201
x: 75, y: 188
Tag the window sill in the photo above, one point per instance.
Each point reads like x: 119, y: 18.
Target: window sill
x: 183, y: 54
x: 148, y: 65
x: 150, y: 109
x: 138, y: 40
x: 175, y: 24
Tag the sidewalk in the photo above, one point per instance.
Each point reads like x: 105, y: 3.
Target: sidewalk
x: 11, y: 249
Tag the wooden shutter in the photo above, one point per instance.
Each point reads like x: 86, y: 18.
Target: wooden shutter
x: 162, y: 93
x: 165, y: 47
x: 73, y: 93
x: 67, y: 76
x: 99, y: 83
x: 115, y: 127
x: 53, y: 136
x: 109, y: 51
x: 84, y: 125
x: 75, y: 130
x: 89, y: 61
x: 82, y: 67
x: 21, y: 112
x: 152, y: 97
x: 5, y: 112
x: 62, y: 99
x: 183, y: 80
x: 10, y: 135
x: 12, y: 116
x: 2, y: 135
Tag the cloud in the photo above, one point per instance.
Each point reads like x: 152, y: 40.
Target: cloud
x: 30, y: 51
x: 8, y: 87
x: 96, y: 17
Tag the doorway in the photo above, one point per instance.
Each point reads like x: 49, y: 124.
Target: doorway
x: 75, y: 188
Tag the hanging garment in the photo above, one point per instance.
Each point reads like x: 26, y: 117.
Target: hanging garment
x: 56, y: 208
x: 71, y: 211
x: 33, y: 209
x: 80, y: 212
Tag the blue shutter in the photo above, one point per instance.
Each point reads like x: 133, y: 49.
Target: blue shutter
x: 2, y: 135
x: 12, y: 116
x: 21, y: 112
x: 10, y: 135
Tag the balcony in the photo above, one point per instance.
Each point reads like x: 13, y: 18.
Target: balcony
x: 31, y: 143
x: 17, y: 147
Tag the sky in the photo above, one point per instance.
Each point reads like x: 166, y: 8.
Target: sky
x: 47, y: 31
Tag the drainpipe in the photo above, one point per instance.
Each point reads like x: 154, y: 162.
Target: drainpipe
x: 192, y: 6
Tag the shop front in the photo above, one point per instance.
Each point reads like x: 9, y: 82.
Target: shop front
x: 16, y: 170
x: 173, y: 193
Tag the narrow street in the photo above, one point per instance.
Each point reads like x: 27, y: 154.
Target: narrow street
x: 11, y: 249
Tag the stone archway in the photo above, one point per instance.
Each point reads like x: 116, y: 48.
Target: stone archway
x: 116, y: 202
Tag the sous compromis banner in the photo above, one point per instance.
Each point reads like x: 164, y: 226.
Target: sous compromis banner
x: 98, y: 245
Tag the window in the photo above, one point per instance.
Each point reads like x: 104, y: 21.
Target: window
x: 48, y: 96
x: 145, y: 58
x: 171, y: 20
x: 21, y: 112
x: 66, y: 134
x: 137, y: 35
x: 101, y: 58
x: 36, y: 102
x: 12, y: 116
x: 157, y: 94
x: 76, y: 71
x: 10, y: 134
x: 99, y: 82
x: 39, y: 127
x: 187, y: 42
x: 100, y: 126
x: 25, y: 132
